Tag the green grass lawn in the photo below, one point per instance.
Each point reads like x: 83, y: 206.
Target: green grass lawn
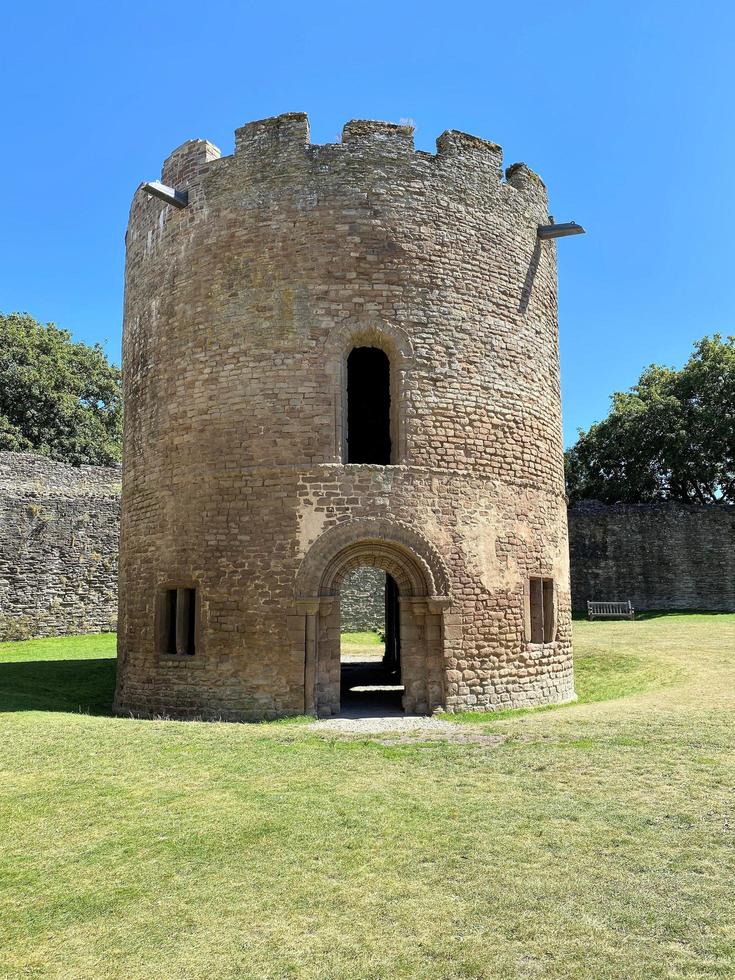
x: 597, y: 840
x: 361, y: 646
x: 61, y: 673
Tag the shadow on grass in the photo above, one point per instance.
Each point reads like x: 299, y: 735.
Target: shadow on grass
x: 659, y: 613
x: 85, y: 686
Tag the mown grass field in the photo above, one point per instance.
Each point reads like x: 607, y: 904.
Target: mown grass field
x: 597, y: 840
x: 361, y: 646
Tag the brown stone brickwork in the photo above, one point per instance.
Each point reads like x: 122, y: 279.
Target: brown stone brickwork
x: 240, y: 312
x: 58, y: 547
x: 362, y: 600
x: 660, y: 556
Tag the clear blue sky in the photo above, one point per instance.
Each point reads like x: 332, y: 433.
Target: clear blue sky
x: 625, y: 109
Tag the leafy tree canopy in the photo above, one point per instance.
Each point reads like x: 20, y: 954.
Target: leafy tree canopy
x: 58, y: 398
x: 671, y: 437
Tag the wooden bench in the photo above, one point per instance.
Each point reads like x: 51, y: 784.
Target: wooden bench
x: 622, y: 610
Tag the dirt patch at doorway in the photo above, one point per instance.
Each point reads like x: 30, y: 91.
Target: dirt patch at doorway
x: 405, y: 728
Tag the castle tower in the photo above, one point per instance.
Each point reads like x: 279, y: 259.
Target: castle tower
x: 334, y: 356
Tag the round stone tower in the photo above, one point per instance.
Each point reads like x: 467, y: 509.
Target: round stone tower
x: 336, y: 356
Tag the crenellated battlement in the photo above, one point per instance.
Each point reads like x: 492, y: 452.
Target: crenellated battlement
x: 188, y: 160
x: 471, y: 150
x: 382, y: 136
x: 285, y: 133
x: 267, y: 146
x: 521, y: 177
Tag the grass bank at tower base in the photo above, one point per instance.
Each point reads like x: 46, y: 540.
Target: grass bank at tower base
x: 595, y: 840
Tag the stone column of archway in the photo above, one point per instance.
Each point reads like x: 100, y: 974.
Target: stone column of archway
x: 422, y: 582
x: 425, y: 682
x: 328, y: 675
x: 414, y: 655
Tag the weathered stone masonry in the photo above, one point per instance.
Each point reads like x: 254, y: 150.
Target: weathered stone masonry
x: 362, y: 600
x: 241, y: 310
x: 660, y: 556
x: 663, y: 556
x: 58, y: 547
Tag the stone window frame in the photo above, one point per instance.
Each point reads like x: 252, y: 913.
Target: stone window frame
x: 395, y: 344
x: 162, y: 626
x: 544, y: 613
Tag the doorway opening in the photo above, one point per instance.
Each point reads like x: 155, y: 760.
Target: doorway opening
x: 370, y: 645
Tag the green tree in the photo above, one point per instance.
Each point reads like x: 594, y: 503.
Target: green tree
x: 671, y: 437
x: 58, y: 398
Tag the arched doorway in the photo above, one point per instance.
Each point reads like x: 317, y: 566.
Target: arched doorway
x: 421, y: 585
x: 370, y: 644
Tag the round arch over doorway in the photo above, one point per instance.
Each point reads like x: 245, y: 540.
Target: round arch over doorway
x: 423, y: 585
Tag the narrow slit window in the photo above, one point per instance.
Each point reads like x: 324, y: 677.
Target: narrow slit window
x: 542, y: 613
x: 179, y: 614
x: 170, y: 628
x: 549, y: 617
x: 368, y: 406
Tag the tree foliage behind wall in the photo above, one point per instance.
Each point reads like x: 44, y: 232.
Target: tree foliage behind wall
x: 671, y: 437
x: 58, y: 398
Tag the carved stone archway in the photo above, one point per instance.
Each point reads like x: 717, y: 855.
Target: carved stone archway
x: 423, y: 586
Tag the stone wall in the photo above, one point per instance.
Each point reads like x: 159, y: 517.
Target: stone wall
x: 58, y: 547
x: 362, y: 600
x: 660, y: 556
x: 59, y: 528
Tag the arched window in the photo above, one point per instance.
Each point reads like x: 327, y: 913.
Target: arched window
x: 368, y: 406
